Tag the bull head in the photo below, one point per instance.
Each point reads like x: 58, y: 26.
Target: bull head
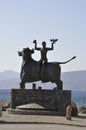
x: 26, y: 50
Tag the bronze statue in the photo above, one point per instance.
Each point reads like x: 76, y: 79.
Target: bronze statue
x: 29, y: 71
x: 44, y: 51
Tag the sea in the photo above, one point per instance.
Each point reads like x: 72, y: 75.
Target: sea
x: 79, y: 97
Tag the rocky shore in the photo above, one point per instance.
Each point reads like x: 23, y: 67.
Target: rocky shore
x: 82, y: 110
x: 4, y: 105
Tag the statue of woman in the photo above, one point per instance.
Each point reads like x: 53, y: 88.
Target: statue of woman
x: 44, y: 51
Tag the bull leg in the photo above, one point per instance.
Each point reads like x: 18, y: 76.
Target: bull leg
x: 59, y: 85
x: 22, y: 85
x: 59, y: 82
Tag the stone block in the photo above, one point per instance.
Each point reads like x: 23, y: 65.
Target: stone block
x: 51, y: 100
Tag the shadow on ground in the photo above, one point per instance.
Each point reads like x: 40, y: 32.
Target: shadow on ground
x: 45, y: 123
x: 82, y: 117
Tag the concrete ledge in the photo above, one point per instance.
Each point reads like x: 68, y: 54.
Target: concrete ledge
x: 34, y: 112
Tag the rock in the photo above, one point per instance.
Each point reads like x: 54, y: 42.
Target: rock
x: 73, y: 104
x: 74, y: 109
x: 68, y: 113
x: 4, y: 105
x: 82, y: 109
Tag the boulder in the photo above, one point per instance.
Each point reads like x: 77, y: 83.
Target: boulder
x: 82, y: 109
x: 4, y: 105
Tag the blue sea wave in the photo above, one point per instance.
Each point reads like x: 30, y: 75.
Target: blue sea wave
x: 79, y: 97
x: 5, y: 95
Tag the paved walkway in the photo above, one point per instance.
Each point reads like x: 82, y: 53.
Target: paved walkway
x: 36, y: 122
x: 38, y: 127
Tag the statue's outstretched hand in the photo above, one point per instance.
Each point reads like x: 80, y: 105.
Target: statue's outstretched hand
x: 53, y: 40
x: 35, y: 41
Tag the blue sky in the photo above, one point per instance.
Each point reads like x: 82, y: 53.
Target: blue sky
x: 22, y: 21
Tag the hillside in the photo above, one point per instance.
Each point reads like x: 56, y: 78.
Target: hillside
x: 75, y: 80
x: 9, y: 79
x: 8, y: 74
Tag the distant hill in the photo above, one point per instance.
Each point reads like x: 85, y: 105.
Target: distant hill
x: 9, y: 79
x: 8, y: 74
x: 74, y: 80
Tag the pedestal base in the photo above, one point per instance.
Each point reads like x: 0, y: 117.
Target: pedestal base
x: 53, y: 102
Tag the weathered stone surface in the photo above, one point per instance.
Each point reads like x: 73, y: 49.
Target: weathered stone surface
x: 50, y: 100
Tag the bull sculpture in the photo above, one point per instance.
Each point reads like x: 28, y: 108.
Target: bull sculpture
x: 29, y: 70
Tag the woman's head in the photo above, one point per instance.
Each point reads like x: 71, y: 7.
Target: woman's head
x: 44, y: 44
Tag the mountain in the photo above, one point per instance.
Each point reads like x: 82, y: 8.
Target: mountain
x: 8, y: 74
x: 9, y: 79
x: 74, y: 80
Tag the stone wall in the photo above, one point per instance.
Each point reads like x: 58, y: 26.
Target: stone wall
x: 52, y: 100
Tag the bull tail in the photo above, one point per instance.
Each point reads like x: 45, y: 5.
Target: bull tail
x: 67, y: 60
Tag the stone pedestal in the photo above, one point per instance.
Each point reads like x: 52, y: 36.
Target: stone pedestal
x: 53, y: 101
